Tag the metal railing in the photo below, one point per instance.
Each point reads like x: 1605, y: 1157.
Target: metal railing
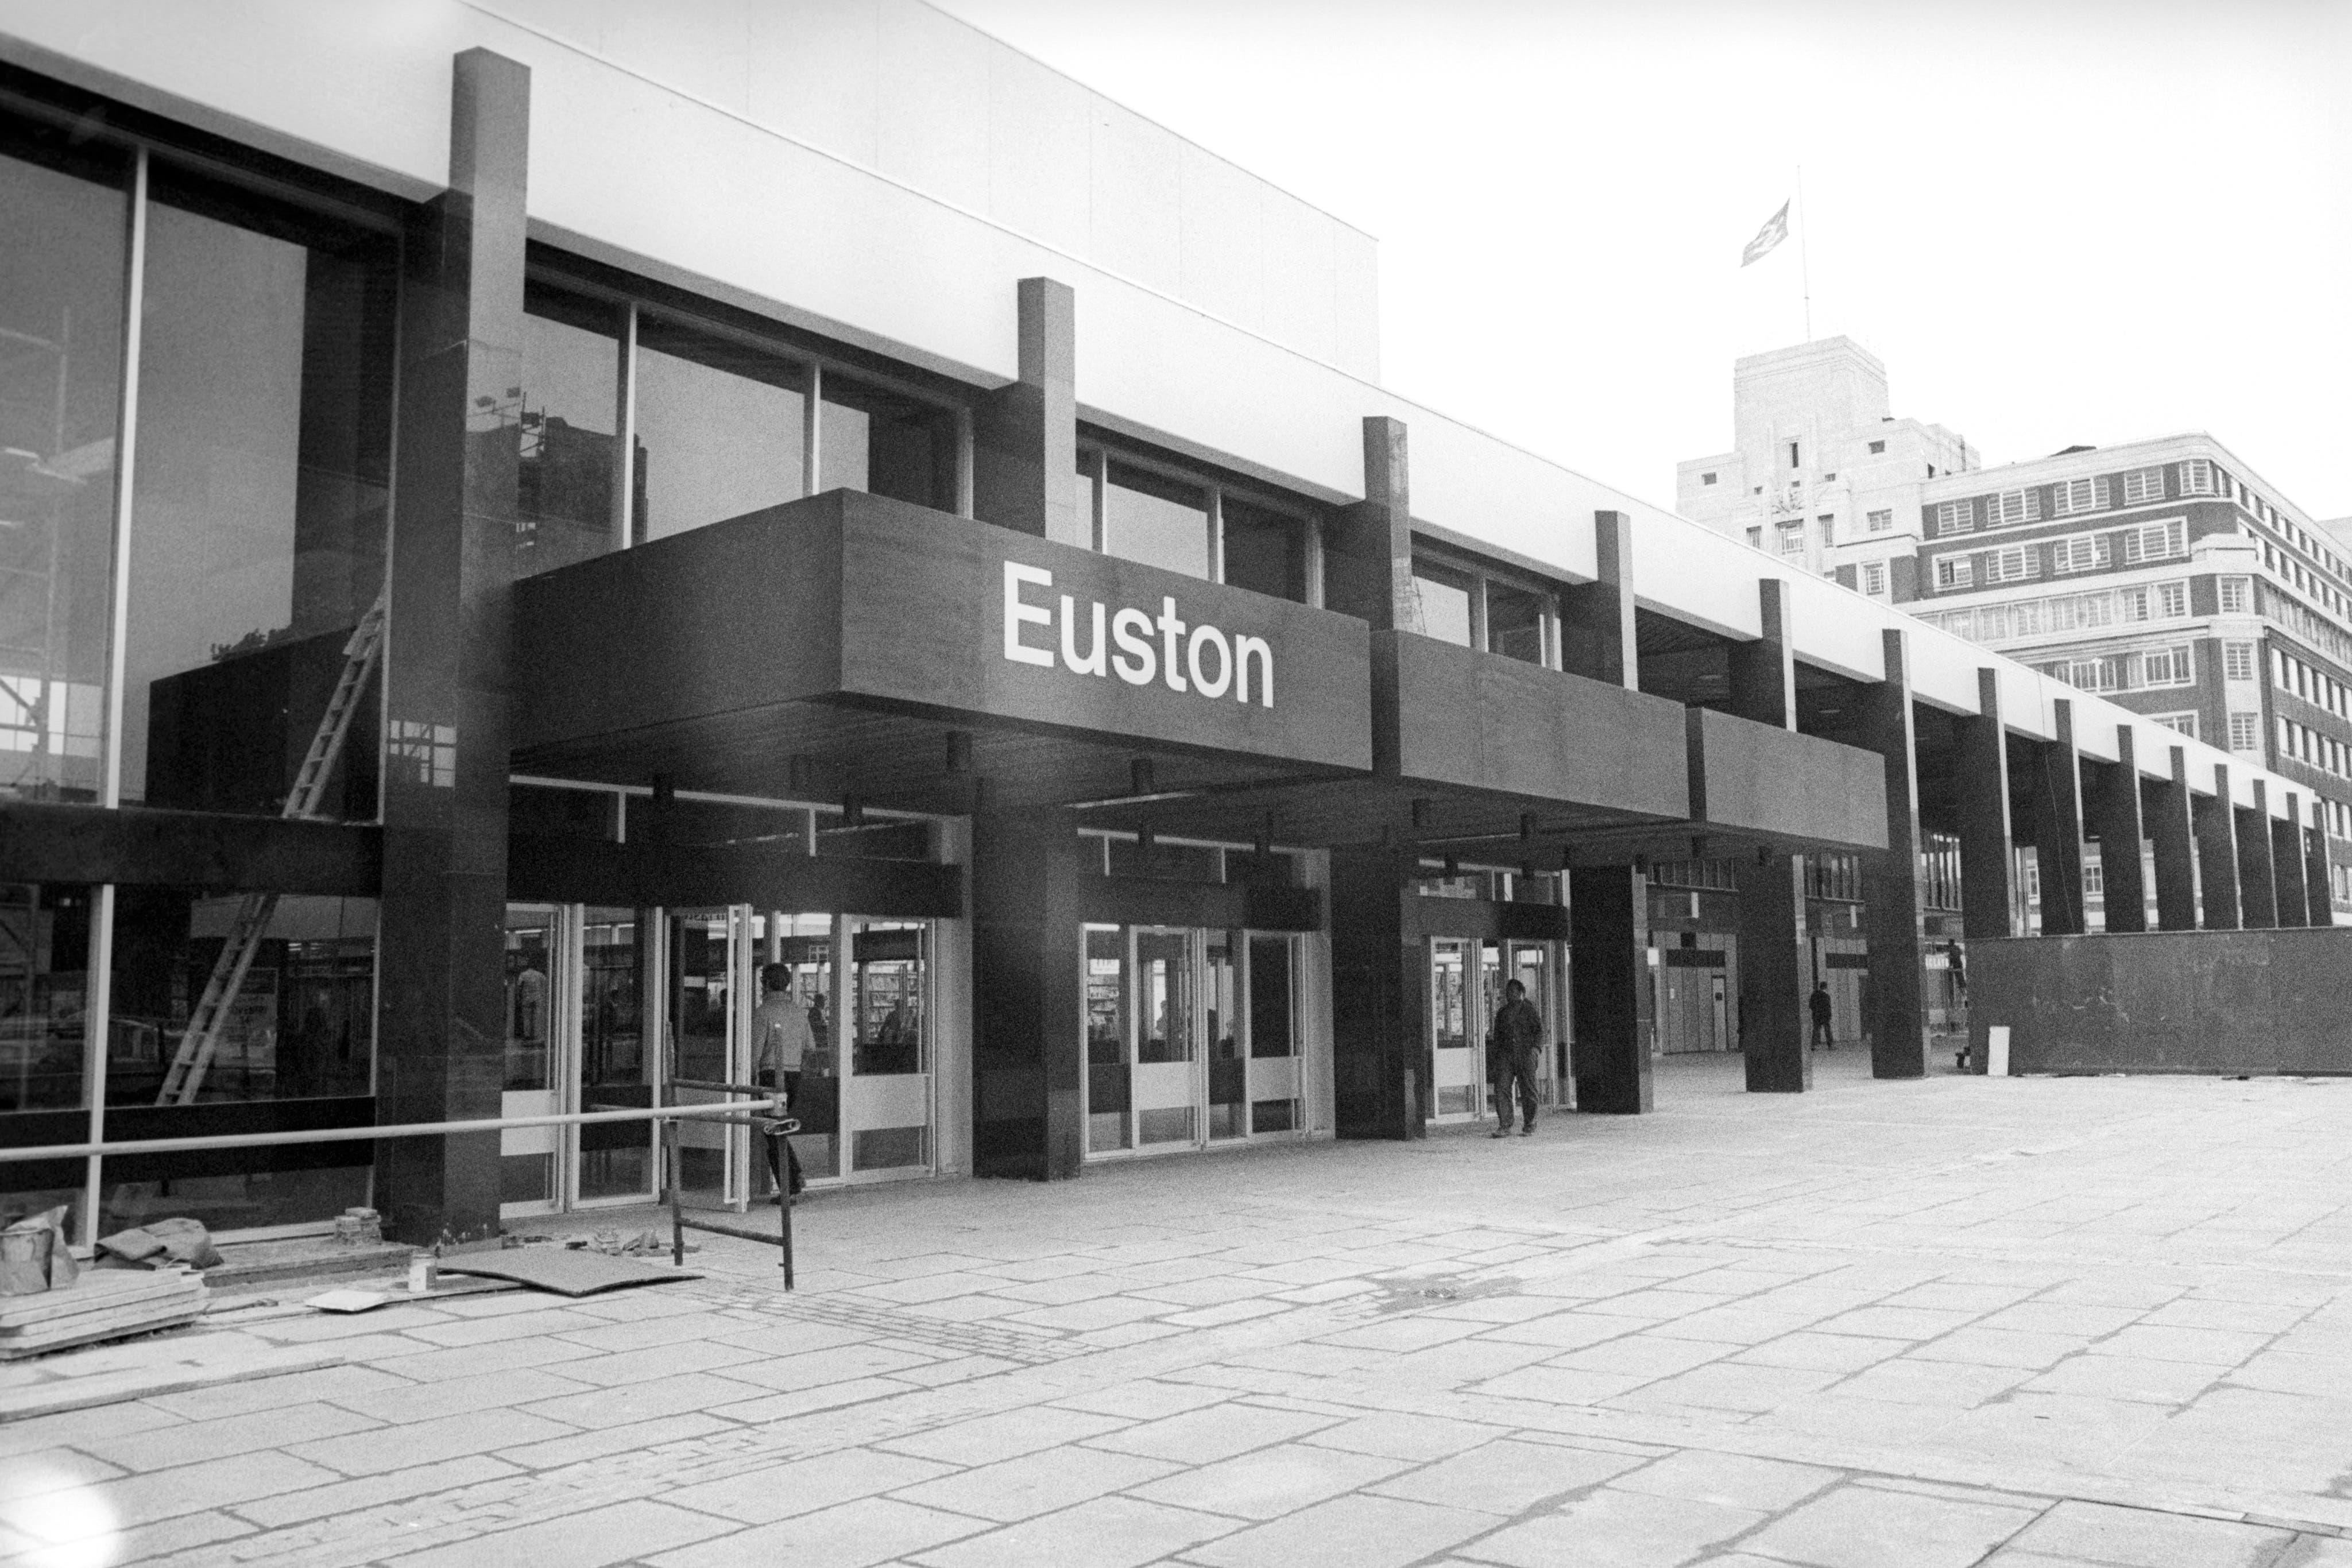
x: 764, y: 1114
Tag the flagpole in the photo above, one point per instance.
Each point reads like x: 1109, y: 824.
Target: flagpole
x: 1804, y: 251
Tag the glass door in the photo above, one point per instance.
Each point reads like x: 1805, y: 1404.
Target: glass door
x: 1454, y: 1030
x: 886, y: 1101
x: 1111, y: 1102
x: 612, y: 1069
x: 708, y: 1012
x: 1227, y: 1038
x: 1277, y: 1094
x: 528, y: 1175
x: 1166, y: 1037
x: 1529, y: 963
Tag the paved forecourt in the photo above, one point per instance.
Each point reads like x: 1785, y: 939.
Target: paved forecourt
x: 1949, y: 1321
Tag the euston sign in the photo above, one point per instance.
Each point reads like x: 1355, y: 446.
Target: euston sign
x: 1199, y: 659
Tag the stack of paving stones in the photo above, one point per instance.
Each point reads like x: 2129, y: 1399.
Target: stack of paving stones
x: 1952, y: 1323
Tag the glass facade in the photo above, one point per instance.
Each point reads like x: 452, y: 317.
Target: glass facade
x: 1159, y: 521
x: 1264, y: 551
x: 566, y: 455
x: 61, y: 311
x: 719, y: 429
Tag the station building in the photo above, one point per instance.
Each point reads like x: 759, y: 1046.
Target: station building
x: 519, y: 518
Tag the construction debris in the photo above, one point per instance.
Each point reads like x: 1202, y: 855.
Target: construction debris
x: 162, y: 1244
x: 34, y: 1254
x: 104, y: 1304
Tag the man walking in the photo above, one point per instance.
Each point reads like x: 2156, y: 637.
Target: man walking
x: 1820, y: 1004
x: 1511, y: 1047
x: 780, y: 1035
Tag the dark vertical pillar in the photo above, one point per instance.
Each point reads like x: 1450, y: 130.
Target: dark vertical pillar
x: 1596, y: 618
x: 2217, y: 853
x: 1381, y: 1071
x: 1772, y: 966
x: 2167, y: 820
x: 1892, y: 910
x: 1988, y: 852
x: 1367, y: 568
x: 1028, y: 1029
x: 2287, y: 865
x: 2057, y: 786
x: 2257, y: 881
x: 2114, y: 814
x: 1025, y: 435
x: 2318, y: 892
x: 441, y: 1027
x: 1609, y: 989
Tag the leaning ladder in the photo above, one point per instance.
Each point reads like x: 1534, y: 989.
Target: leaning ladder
x: 202, y: 1038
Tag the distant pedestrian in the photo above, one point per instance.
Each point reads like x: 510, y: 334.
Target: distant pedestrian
x: 1820, y: 1004
x: 1511, y: 1047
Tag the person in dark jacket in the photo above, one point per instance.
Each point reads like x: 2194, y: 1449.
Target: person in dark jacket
x: 1511, y: 1049
x: 1820, y: 1004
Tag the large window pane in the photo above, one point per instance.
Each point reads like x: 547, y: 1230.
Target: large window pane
x: 1155, y: 520
x: 719, y: 429
x: 1445, y: 601
x: 259, y: 521
x: 299, y: 1027
x: 44, y: 1042
x: 565, y: 462
x: 61, y: 237
x: 1110, y: 1098
x: 615, y: 1157
x: 886, y: 445
x: 1515, y: 623
x: 1264, y: 551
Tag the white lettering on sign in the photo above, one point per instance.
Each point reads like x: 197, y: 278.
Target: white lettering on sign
x: 1214, y: 662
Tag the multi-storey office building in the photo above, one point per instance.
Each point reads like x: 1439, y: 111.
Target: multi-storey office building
x: 520, y: 522
x: 2164, y: 574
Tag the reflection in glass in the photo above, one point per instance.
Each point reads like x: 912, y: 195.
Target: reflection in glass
x: 300, y: 1027
x: 1274, y: 1026
x: 887, y: 1038
x: 719, y: 429
x: 259, y: 529
x: 1157, y: 521
x: 1166, y: 1023
x: 1264, y: 550
x: 615, y: 1157
x: 886, y: 445
x: 1444, y: 606
x: 60, y: 373
x: 1228, y: 1069
x: 1515, y: 623
x: 564, y: 428
x: 530, y: 963
x: 44, y: 1051
x: 805, y: 944
x: 1109, y: 1095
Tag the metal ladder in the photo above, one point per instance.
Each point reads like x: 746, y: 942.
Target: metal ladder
x: 202, y: 1038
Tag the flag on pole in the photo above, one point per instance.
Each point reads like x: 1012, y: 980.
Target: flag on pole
x: 1774, y: 230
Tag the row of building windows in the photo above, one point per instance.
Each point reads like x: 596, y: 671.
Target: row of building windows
x: 2064, y: 555
x: 2132, y: 671
x: 2307, y: 745
x: 2314, y: 685
x: 1147, y: 512
x: 2066, y: 612
x: 1474, y: 609
x: 2010, y: 509
x: 2306, y: 624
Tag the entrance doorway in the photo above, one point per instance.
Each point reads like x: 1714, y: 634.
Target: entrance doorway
x: 1461, y: 1011
x: 1192, y: 1037
x: 575, y: 1041
x: 586, y: 999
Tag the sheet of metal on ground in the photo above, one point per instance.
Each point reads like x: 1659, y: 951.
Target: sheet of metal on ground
x: 564, y: 1271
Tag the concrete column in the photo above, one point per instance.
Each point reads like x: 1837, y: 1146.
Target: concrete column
x: 441, y: 1022
x: 1609, y: 989
x: 2057, y: 786
x: 1368, y: 559
x: 2257, y: 878
x: 1987, y: 857
x: 1772, y: 957
x: 2288, y: 862
x: 1596, y: 618
x: 1894, y: 911
x: 1025, y: 435
x: 2167, y: 821
x: 2217, y: 853
x: 1028, y: 1009
x: 2113, y: 811
x: 2319, y: 895
x: 1380, y: 1070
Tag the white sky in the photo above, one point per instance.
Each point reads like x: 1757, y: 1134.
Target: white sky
x: 2054, y: 222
